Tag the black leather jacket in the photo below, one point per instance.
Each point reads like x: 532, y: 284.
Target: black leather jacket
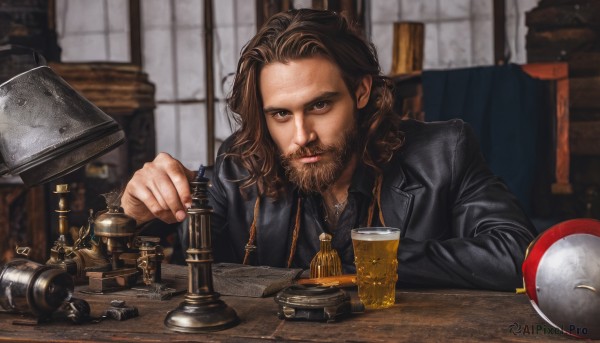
x: 460, y: 226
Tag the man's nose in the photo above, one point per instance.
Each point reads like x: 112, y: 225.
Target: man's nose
x: 304, y: 132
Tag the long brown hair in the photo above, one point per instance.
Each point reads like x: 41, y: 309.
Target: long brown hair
x: 300, y: 34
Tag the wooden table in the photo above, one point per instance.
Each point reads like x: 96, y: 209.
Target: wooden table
x: 418, y: 315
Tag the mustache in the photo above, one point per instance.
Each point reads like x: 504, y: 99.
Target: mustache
x: 308, y: 150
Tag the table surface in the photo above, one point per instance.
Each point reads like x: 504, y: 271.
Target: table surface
x: 418, y: 315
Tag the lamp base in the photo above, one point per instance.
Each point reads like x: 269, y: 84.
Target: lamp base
x: 201, y: 314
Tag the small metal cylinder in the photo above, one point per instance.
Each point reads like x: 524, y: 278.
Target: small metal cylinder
x: 151, y: 256
x: 30, y: 287
x: 63, y: 208
x: 200, y: 249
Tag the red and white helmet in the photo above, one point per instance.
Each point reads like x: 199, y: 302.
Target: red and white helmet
x: 561, y: 275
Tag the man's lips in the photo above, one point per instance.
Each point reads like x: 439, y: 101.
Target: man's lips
x: 309, y: 159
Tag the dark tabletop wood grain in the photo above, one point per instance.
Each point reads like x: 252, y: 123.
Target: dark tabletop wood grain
x: 417, y: 316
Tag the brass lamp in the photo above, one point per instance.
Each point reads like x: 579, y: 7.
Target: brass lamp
x: 202, y: 310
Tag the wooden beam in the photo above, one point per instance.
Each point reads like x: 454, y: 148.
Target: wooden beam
x: 260, y: 13
x: 135, y: 32
x: 499, y: 31
x: 37, y: 220
x: 52, y: 14
x: 210, y: 84
x: 408, y: 45
x: 584, y: 93
x: 266, y: 8
x: 584, y: 138
x: 320, y: 4
x: 558, y: 72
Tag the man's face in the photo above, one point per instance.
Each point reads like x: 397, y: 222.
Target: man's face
x: 310, y: 115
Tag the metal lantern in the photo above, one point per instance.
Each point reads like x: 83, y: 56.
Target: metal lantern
x: 561, y: 275
x: 47, y: 128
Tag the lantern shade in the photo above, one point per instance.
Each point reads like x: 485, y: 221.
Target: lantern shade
x: 47, y: 129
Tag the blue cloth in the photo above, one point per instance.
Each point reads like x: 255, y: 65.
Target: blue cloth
x: 504, y: 106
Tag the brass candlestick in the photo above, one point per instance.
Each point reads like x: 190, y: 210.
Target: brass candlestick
x: 61, y: 254
x: 201, y: 310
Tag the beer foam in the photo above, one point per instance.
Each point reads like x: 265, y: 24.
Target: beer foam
x: 376, y: 234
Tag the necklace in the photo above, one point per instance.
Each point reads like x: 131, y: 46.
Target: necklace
x: 333, y: 208
x: 339, y: 207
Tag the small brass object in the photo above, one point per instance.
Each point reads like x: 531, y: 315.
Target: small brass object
x: 85, y: 254
x: 116, y: 229
x: 151, y: 256
x: 61, y: 253
x: 327, y: 261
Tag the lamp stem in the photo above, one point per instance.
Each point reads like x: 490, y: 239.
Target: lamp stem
x: 201, y: 310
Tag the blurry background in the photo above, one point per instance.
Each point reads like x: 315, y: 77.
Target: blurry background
x: 458, y: 33
x: 163, y: 68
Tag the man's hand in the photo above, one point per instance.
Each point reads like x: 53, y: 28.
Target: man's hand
x: 159, y: 190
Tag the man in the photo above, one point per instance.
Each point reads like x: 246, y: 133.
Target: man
x: 318, y: 149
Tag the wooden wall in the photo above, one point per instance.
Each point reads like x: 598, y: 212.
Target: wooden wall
x: 569, y: 30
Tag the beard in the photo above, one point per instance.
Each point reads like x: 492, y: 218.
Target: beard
x: 317, y: 177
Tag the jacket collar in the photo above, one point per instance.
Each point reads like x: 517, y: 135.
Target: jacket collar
x: 363, y: 179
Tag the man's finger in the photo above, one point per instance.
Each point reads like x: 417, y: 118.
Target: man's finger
x: 170, y: 194
x: 182, y: 184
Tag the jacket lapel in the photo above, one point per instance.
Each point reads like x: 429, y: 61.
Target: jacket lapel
x: 397, y: 198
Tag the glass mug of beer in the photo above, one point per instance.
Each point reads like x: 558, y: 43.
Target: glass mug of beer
x: 376, y: 260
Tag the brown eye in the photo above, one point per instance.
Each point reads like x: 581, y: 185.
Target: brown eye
x: 279, y: 115
x: 320, y: 106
